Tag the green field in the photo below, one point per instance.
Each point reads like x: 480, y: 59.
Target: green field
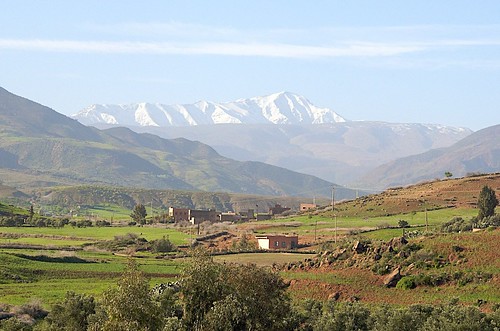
x: 99, y: 233
x: 47, y: 275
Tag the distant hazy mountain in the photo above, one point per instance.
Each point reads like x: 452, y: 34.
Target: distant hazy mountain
x: 40, y: 147
x: 281, y: 129
x: 278, y: 108
x: 337, y: 152
x: 479, y: 152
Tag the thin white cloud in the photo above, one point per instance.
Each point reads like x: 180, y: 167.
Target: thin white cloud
x: 258, y: 49
x: 225, y: 49
x: 164, y: 29
x: 180, y: 31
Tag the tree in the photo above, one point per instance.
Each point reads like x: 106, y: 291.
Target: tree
x: 139, y: 214
x: 403, y: 224
x: 31, y: 213
x: 71, y: 314
x: 448, y: 174
x: 486, y: 202
x: 130, y: 306
x: 233, y: 297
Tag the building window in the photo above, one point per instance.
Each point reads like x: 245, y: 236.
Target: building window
x: 292, y: 244
x: 283, y: 244
x: 276, y: 244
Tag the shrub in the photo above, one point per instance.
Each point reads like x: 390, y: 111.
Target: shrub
x: 406, y: 283
x: 101, y: 223
x: 488, y: 221
x: 457, y: 224
x: 162, y: 245
x: 71, y: 314
x: 403, y: 224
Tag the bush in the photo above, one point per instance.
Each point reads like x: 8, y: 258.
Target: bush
x: 71, y: 314
x: 162, y: 245
x: 406, y: 283
x: 457, y: 224
x: 101, y: 223
x: 487, y: 222
x: 343, y: 317
x: 403, y: 224
x: 84, y: 224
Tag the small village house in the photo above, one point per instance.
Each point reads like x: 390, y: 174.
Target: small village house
x: 276, y: 242
x: 307, y: 206
x: 277, y: 209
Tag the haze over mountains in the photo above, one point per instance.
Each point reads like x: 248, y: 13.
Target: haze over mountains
x: 479, y: 152
x: 282, y: 129
x: 40, y: 147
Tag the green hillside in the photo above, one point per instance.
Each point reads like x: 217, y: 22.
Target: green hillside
x: 40, y: 147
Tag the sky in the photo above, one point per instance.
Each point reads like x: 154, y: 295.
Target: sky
x: 395, y: 61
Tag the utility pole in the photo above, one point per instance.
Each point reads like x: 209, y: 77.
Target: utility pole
x: 152, y: 215
x: 315, y: 227
x: 426, y: 221
x: 335, y: 228
x: 333, y: 211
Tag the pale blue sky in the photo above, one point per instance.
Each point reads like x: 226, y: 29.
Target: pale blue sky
x: 397, y: 61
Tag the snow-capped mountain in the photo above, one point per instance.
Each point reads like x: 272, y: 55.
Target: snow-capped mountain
x: 278, y: 108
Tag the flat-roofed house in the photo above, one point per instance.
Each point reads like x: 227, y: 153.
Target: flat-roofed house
x: 275, y: 242
x: 178, y: 214
x: 307, y: 206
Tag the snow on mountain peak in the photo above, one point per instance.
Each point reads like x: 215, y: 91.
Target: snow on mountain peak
x: 277, y: 108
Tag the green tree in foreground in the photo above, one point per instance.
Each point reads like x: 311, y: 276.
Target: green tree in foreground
x: 129, y: 306
x: 233, y: 297
x: 139, y: 214
x: 72, y: 314
x: 486, y: 202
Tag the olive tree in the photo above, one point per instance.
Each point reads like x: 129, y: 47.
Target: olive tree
x: 72, y: 314
x: 129, y: 306
x: 233, y: 297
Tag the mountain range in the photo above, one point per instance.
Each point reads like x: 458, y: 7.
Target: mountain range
x: 278, y: 108
x: 40, y: 147
x: 477, y: 153
x: 282, y: 129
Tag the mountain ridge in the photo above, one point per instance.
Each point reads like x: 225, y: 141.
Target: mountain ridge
x: 44, y: 148
x: 476, y: 153
x: 337, y: 152
x: 277, y: 108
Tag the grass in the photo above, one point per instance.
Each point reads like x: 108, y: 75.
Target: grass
x: 109, y: 212
x: 99, y: 233
x: 49, y: 281
x: 45, y: 241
